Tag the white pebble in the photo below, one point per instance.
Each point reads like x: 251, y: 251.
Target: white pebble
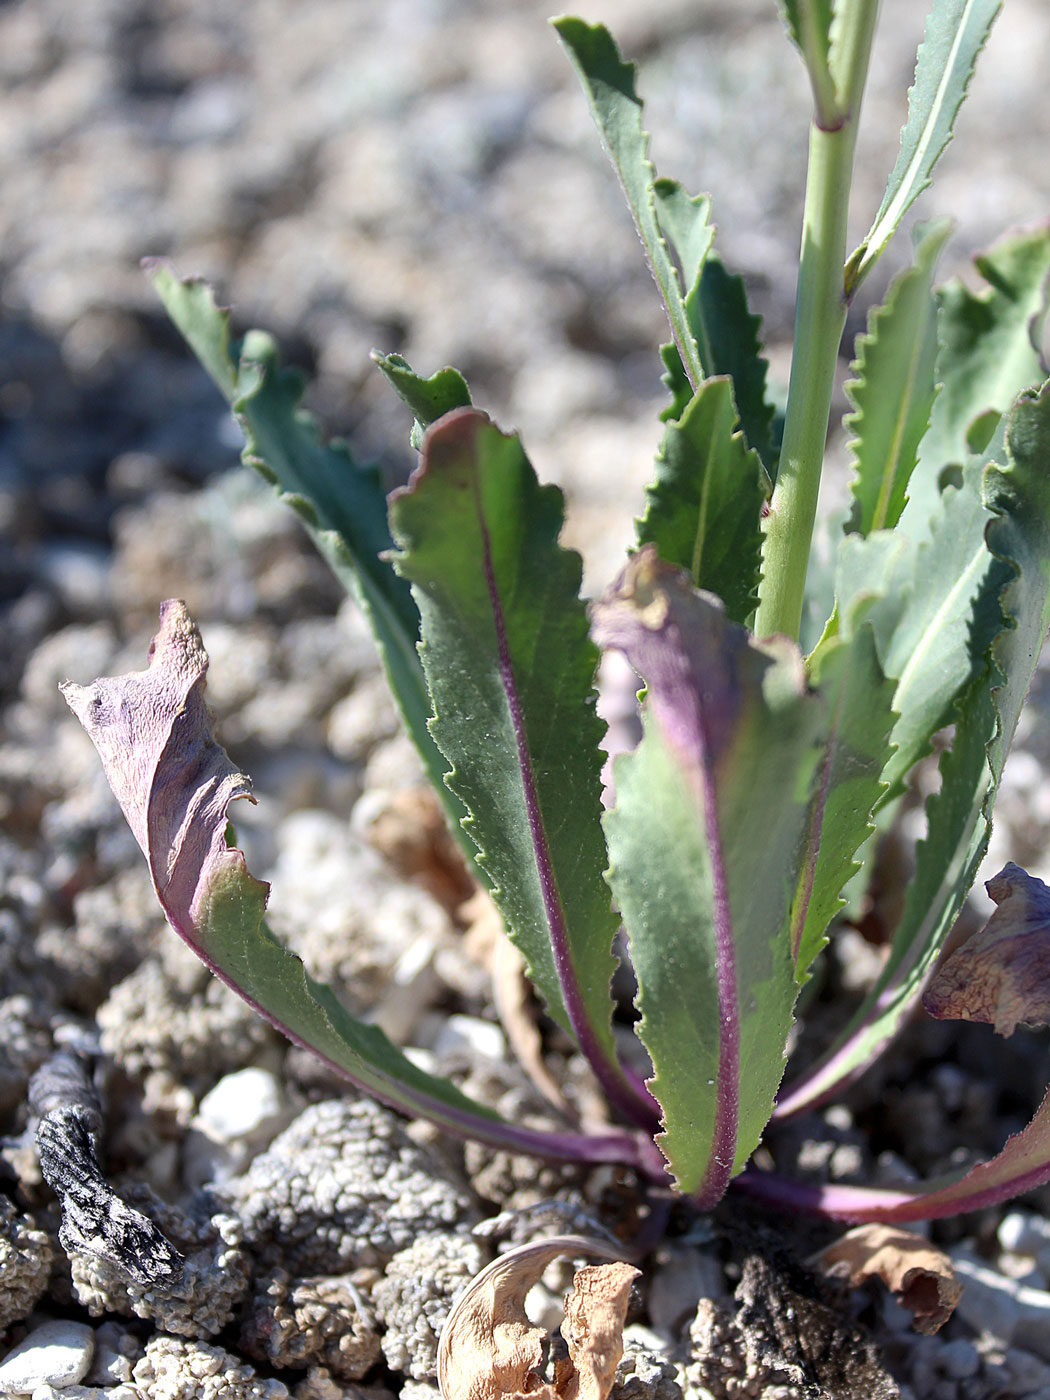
x: 1022, y: 1232
x: 57, y: 1353
x: 47, y: 1391
x: 472, y: 1034
x: 243, y: 1105
x: 1011, y: 1311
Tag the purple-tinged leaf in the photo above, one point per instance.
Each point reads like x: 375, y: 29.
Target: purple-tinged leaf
x: 510, y: 669
x: 175, y: 783
x: 1000, y: 974
x: 1022, y: 1165
x: 704, y: 844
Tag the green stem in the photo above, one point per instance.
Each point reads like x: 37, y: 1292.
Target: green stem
x: 820, y: 315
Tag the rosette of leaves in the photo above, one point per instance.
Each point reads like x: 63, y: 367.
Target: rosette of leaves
x: 751, y: 800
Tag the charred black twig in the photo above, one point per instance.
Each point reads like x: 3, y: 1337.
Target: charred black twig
x: 94, y: 1218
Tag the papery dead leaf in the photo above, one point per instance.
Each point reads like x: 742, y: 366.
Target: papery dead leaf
x: 919, y: 1275
x: 174, y: 783
x: 1001, y: 974
x: 517, y: 1011
x: 490, y: 1350
x: 409, y: 828
x: 595, y: 1310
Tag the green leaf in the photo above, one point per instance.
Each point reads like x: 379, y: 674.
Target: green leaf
x: 893, y: 389
x: 935, y: 612
x: 704, y: 506
x: 726, y: 334
x: 617, y: 111
x: 987, y: 356
x: 429, y: 399
x: 809, y: 25
x: 175, y: 784
x: 956, y: 31
x: 859, y: 702
x: 342, y: 505
x: 959, y: 814
x: 704, y: 846
x: 511, y: 671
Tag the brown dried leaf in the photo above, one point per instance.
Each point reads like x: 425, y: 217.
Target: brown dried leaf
x: 1001, y: 974
x: 595, y: 1310
x: 409, y: 828
x: 517, y: 1009
x: 489, y: 1349
x: 919, y: 1274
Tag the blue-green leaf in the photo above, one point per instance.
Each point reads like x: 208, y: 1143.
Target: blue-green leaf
x: 893, y: 389
x: 956, y: 31
x: 342, y: 505
x: 1017, y: 497
x: 617, y: 110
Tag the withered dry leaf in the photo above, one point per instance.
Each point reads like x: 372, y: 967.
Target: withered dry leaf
x: 919, y: 1274
x: 489, y: 1349
x: 517, y: 1011
x: 408, y: 827
x: 1001, y: 974
x: 595, y: 1310
x: 153, y: 732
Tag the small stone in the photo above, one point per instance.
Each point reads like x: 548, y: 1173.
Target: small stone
x: 960, y: 1359
x: 682, y: 1275
x: 1023, y: 1232
x: 244, y: 1105
x: 47, y: 1391
x: 1028, y: 1375
x: 56, y: 1353
x: 471, y: 1034
x: 1011, y: 1311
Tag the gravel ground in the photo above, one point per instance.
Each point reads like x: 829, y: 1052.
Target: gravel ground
x: 419, y: 176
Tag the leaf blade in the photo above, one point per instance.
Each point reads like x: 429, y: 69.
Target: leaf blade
x: 608, y: 83
x: 175, y: 784
x: 986, y: 356
x: 959, y: 815
x: 728, y: 723
x: 859, y: 701
x: 893, y: 390
x: 510, y: 668
x: 342, y: 507
x: 704, y: 506
x: 429, y: 399
x: 956, y: 31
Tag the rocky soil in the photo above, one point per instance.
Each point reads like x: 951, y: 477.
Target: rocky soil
x: 420, y: 176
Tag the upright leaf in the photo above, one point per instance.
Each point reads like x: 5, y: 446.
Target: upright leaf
x: 935, y: 611
x: 617, y: 110
x: 342, y: 505
x: 511, y: 672
x: 726, y: 335
x: 988, y: 354
x: 704, y: 844
x: 859, y: 701
x: 959, y: 814
x: 175, y: 784
x: 809, y: 24
x: 704, y: 506
x: 429, y: 399
x: 956, y: 31
x: 893, y: 389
